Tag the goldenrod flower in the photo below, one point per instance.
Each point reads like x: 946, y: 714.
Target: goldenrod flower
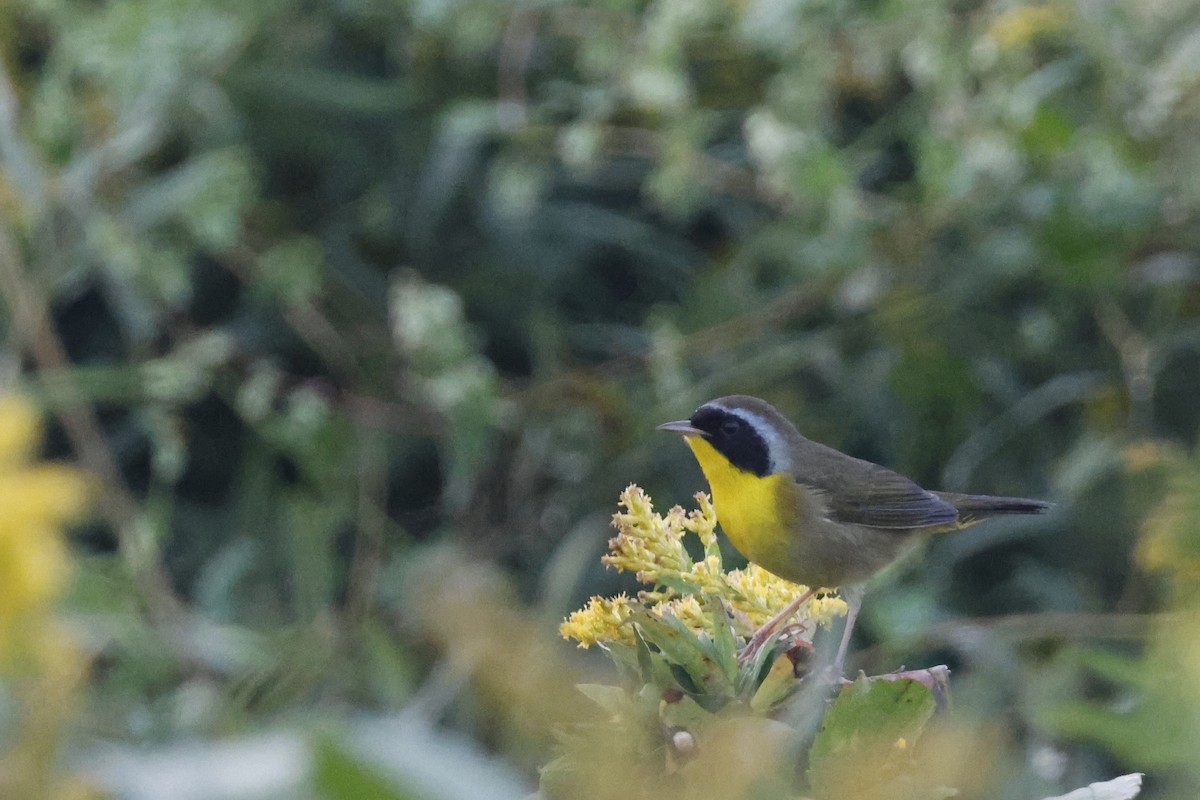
x: 601, y: 620
x: 822, y: 610
x: 35, y: 500
x: 652, y: 546
x: 686, y: 609
x: 647, y: 544
x: 703, y: 521
x: 759, y: 594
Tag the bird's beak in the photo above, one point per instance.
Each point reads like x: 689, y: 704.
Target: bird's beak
x: 682, y: 426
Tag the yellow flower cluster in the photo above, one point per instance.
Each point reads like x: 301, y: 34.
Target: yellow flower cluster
x: 601, y: 620
x: 1169, y: 541
x: 761, y: 594
x: 35, y: 500
x: 41, y: 667
x: 652, y: 546
x: 1020, y: 24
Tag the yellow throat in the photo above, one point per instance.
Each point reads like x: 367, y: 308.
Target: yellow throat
x: 749, y: 508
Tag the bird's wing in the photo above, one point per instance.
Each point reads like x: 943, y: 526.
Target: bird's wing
x: 861, y: 493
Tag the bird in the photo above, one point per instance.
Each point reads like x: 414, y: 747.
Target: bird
x: 811, y: 514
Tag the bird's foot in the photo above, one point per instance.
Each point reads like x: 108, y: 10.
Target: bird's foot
x: 750, y: 652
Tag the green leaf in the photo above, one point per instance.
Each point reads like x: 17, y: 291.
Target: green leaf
x: 684, y: 712
x: 610, y: 698
x: 208, y: 194
x: 866, y: 732
x: 654, y: 666
x: 1160, y: 723
x: 338, y: 776
x: 678, y: 584
x: 748, y: 674
x: 779, y: 684
x: 684, y: 649
x: 291, y: 271
x: 724, y: 644
x: 626, y: 659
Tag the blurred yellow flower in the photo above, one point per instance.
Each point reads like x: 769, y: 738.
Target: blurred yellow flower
x: 35, y: 500
x: 42, y: 668
x: 1147, y: 454
x: 1169, y: 541
x: 20, y: 430
x: 1020, y: 24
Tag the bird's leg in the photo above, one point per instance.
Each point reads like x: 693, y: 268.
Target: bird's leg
x: 854, y: 597
x: 768, y: 628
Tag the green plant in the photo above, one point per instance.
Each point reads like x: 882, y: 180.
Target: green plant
x: 693, y: 719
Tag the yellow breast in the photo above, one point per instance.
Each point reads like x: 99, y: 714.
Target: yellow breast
x: 757, y: 513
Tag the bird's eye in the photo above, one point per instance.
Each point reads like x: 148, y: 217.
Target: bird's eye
x: 730, y: 427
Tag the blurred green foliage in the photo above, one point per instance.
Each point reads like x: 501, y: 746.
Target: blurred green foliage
x: 338, y: 299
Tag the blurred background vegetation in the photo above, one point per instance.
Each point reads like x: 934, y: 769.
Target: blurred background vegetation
x: 361, y: 314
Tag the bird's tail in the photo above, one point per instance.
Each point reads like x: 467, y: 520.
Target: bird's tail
x: 974, y: 507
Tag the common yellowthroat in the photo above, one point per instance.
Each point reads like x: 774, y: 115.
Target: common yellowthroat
x: 811, y: 514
